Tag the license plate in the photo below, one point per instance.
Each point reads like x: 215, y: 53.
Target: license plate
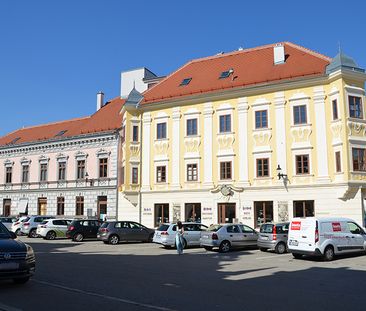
x: 293, y: 242
x: 205, y: 236
x: 9, y: 266
x: 264, y: 237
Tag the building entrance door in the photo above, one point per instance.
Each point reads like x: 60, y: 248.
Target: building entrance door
x: 102, y: 207
x: 6, y: 207
x: 42, y: 206
x: 226, y: 213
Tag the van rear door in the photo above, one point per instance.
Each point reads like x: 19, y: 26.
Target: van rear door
x: 302, y: 234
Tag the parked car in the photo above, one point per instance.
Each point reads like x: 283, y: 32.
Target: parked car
x: 113, y: 232
x: 51, y: 229
x: 165, y: 234
x: 17, y: 225
x: 7, y: 221
x: 17, y: 260
x: 325, y: 237
x: 273, y: 237
x: 81, y: 229
x: 29, y: 227
x: 228, y: 236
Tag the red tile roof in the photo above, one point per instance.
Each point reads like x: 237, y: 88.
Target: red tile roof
x: 106, y: 119
x: 251, y: 66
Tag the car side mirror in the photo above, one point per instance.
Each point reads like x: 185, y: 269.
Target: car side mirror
x: 13, y: 235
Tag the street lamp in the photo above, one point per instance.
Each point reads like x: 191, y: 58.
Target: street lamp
x: 91, y: 182
x: 280, y: 174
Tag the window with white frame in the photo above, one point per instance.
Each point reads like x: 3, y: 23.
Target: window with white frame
x: 359, y: 159
x: 80, y: 169
x: 103, y: 167
x: 299, y: 113
x: 8, y: 174
x: 261, y: 119
x: 25, y: 173
x: 192, y: 172
x: 355, y: 107
x: 43, y: 172
x: 225, y: 170
x: 225, y: 123
x: 263, y: 167
x: 302, y: 164
x: 192, y: 127
x: 161, y: 130
x: 61, y: 174
x: 161, y: 173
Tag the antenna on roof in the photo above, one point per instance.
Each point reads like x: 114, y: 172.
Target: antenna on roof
x: 240, y: 48
x: 339, y: 47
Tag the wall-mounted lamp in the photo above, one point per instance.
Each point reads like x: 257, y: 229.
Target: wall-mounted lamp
x: 91, y: 181
x: 280, y: 174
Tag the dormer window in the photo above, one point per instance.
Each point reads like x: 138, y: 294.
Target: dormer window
x: 60, y: 133
x: 226, y: 74
x: 14, y: 141
x: 185, y: 81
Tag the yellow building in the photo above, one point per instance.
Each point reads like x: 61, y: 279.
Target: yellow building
x: 262, y: 134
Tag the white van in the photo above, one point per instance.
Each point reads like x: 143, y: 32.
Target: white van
x: 325, y: 237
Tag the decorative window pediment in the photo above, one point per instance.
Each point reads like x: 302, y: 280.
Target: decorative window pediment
x: 25, y: 161
x: 61, y: 157
x: 43, y: 159
x: 80, y: 155
x: 102, y: 153
x: 8, y: 163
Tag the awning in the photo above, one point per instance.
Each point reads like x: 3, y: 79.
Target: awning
x: 22, y: 206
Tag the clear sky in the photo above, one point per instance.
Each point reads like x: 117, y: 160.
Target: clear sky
x: 56, y: 55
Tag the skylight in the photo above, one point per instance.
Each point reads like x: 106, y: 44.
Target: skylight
x: 185, y: 81
x: 226, y: 74
x: 14, y: 140
x: 60, y: 133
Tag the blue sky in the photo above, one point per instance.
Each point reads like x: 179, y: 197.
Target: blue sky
x: 56, y: 55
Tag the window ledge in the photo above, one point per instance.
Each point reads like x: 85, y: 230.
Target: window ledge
x: 262, y: 129
x: 301, y: 125
x: 226, y: 133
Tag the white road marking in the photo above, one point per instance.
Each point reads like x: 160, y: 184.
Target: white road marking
x: 80, y: 291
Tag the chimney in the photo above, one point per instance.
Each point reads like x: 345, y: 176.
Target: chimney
x: 279, y: 54
x: 100, y: 100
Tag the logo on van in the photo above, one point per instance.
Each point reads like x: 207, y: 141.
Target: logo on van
x: 336, y: 226
x: 296, y: 225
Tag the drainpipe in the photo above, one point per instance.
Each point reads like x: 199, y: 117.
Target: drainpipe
x: 140, y: 175
x: 117, y: 192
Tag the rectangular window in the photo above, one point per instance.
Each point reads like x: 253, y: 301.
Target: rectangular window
x: 191, y: 127
x: 359, y: 159
x: 338, y: 161
x: 79, y: 206
x: 304, y: 209
x: 43, y: 173
x: 135, y: 175
x: 225, y: 123
x: 225, y: 170
x: 25, y: 173
x: 302, y: 164
x: 135, y: 133
x: 192, y: 172
x: 61, y: 170
x: 80, y: 169
x: 300, y: 114
x: 161, y: 174
x: 263, y: 211
x: 262, y: 167
x: 103, y: 168
x: 335, y: 109
x: 355, y: 107
x: 60, y: 206
x: 9, y: 175
x: 161, y: 130
x: 261, y: 119
x: 161, y: 214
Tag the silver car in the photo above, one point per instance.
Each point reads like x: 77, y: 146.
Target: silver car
x: 17, y: 225
x: 7, y: 222
x: 273, y: 237
x: 165, y: 234
x: 228, y: 236
x: 30, y: 226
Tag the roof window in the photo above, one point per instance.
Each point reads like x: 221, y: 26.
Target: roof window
x: 60, y: 133
x: 14, y: 141
x: 226, y: 74
x: 185, y: 81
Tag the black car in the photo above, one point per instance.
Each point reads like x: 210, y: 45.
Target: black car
x: 112, y: 232
x: 82, y: 229
x: 17, y: 260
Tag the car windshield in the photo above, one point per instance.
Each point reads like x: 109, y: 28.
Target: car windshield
x: 4, y: 233
x: 163, y: 228
x: 104, y: 225
x: 214, y: 228
x: 267, y: 228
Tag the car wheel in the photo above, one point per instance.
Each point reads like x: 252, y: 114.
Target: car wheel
x: 262, y: 249
x: 280, y: 248
x: 208, y: 248
x: 21, y: 280
x: 33, y: 233
x: 78, y: 237
x: 297, y: 256
x: 51, y: 235
x: 224, y: 246
x: 150, y: 239
x: 113, y: 239
x: 328, y: 253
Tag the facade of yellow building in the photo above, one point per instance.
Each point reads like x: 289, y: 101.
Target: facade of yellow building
x: 263, y: 134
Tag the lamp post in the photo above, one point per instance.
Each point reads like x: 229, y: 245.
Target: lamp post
x: 280, y: 174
